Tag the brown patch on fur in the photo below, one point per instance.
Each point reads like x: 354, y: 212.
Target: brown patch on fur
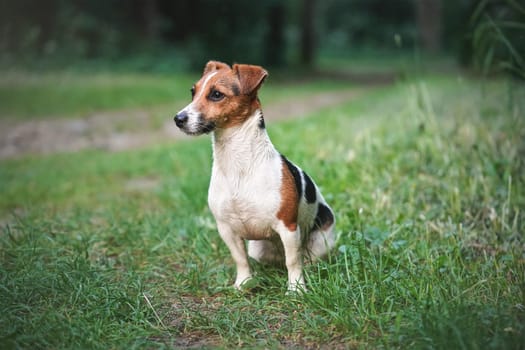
x: 289, y: 200
x: 251, y: 77
x: 214, y: 65
x: 239, y: 86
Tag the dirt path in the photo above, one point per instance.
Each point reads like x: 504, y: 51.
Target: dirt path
x: 122, y: 130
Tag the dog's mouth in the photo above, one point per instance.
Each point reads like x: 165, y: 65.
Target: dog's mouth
x: 208, y: 127
x: 202, y: 127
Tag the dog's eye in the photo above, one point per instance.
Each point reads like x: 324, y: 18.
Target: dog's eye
x: 192, y: 92
x: 216, y: 95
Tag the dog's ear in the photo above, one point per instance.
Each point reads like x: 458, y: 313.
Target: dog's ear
x: 213, y: 66
x: 250, y: 77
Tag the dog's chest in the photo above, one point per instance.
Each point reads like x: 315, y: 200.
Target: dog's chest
x: 246, y: 198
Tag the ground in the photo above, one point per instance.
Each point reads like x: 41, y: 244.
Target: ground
x: 131, y: 128
x: 106, y: 249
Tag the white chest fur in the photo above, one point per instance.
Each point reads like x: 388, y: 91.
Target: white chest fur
x: 246, y: 180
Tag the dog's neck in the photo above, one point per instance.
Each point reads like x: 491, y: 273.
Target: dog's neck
x: 238, y: 148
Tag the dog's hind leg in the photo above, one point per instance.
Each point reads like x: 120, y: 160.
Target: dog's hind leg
x: 320, y: 244
x: 322, y: 237
x: 266, y: 252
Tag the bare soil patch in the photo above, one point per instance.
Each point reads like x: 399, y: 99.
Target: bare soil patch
x: 105, y: 130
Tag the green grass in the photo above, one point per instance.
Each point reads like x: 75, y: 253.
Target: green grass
x: 34, y: 95
x: 400, y: 62
x: 427, y: 179
x: 31, y: 95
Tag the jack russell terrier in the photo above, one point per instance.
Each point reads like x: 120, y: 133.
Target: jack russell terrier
x: 255, y: 193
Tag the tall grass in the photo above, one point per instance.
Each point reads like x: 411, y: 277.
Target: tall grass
x: 428, y: 184
x: 497, y: 36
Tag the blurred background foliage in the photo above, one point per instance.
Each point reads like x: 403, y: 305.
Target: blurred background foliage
x: 180, y: 35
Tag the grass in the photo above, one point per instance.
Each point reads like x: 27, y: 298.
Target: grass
x: 28, y: 95
x: 397, y: 62
x: 32, y: 95
x: 427, y: 181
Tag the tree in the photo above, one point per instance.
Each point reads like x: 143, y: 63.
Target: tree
x: 307, y: 32
x: 150, y: 19
x: 275, y: 44
x: 428, y: 16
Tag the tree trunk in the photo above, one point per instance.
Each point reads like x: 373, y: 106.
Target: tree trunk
x: 307, y: 33
x: 428, y: 13
x: 275, y: 45
x: 150, y: 18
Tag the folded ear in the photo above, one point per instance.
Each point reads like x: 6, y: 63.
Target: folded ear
x: 250, y: 77
x: 213, y: 66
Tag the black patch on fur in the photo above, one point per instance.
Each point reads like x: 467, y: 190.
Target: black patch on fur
x: 309, y: 191
x: 262, y: 125
x: 208, y: 127
x: 296, y: 176
x: 205, y: 126
x: 324, y: 217
x: 236, y: 89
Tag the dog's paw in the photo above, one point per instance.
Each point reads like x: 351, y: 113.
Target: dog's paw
x: 247, y: 284
x: 296, y: 289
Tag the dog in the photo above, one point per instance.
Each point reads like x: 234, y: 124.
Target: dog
x: 255, y: 193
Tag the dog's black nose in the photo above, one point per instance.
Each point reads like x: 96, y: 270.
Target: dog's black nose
x: 181, y: 119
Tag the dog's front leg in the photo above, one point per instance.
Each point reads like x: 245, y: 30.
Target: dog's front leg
x: 294, y: 259
x: 238, y: 251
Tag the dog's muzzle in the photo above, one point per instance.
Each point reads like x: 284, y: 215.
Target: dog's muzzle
x: 192, y: 125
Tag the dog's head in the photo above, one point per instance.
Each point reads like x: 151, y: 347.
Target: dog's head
x: 223, y: 97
